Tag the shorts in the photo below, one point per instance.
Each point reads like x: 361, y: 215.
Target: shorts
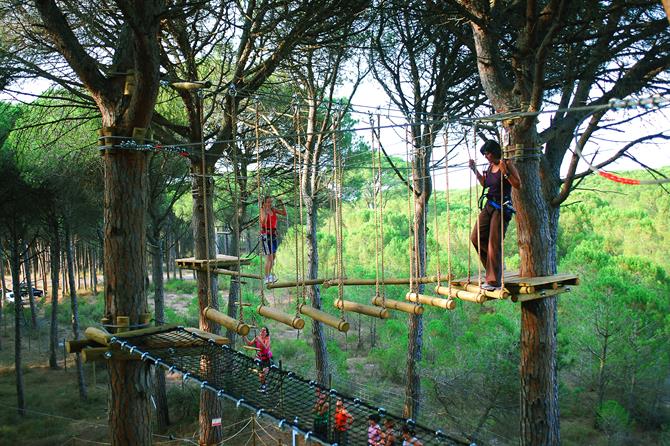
x: 269, y: 243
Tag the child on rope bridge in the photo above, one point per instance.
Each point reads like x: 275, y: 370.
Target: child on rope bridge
x: 268, y: 217
x: 263, y: 353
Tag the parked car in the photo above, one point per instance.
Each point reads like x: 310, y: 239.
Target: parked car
x: 9, y: 295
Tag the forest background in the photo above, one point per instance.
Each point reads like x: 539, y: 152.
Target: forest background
x: 612, y: 355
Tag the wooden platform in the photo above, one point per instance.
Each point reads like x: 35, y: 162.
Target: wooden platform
x: 221, y: 261
x: 521, y: 289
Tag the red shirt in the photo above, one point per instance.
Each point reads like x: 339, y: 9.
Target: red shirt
x: 270, y: 223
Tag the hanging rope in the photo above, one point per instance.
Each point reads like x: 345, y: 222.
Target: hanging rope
x: 479, y: 239
x: 409, y: 213
x: 208, y: 268
x: 381, y: 209
x: 259, y: 193
x: 446, y: 177
x: 337, y: 162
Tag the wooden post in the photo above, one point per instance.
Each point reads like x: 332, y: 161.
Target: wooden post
x: 447, y: 304
x: 395, y: 305
x: 368, y: 310
x: 458, y: 293
x: 279, y: 316
x: 226, y: 272
x: 325, y: 318
x: 230, y: 323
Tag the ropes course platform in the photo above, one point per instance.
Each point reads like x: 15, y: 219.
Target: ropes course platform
x: 286, y: 398
x: 221, y: 261
x: 517, y: 288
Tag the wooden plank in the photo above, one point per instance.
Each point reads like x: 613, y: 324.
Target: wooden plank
x: 540, y: 294
x: 220, y: 261
x: 525, y: 285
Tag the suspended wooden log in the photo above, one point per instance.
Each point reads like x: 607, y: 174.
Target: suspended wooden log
x: 279, y: 316
x: 325, y: 318
x: 461, y: 294
x: 77, y: 345
x: 220, y: 340
x: 296, y: 284
x: 221, y: 261
x: 227, y: 272
x: 97, y: 335
x: 368, y: 310
x: 396, y: 305
x: 493, y: 294
x: 447, y: 304
x: 386, y: 281
x: 230, y: 323
x: 190, y: 85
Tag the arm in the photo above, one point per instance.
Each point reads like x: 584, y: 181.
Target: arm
x: 473, y: 167
x: 510, y: 173
x: 281, y: 211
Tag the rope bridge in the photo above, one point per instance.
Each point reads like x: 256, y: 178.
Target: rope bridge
x: 286, y: 397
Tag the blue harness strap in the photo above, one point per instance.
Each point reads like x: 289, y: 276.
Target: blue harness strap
x: 507, y: 205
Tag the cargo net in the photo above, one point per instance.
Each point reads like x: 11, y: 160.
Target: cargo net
x: 281, y: 395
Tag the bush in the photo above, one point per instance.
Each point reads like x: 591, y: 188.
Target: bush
x: 181, y: 286
x: 614, y: 421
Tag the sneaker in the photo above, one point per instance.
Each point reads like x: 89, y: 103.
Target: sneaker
x: 489, y: 287
x: 268, y: 279
x: 273, y: 278
x: 262, y: 388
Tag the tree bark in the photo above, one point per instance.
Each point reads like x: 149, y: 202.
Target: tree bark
x: 15, y: 261
x: 318, y: 337
x: 74, y: 305
x: 204, y: 238
x: 162, y: 408
x: 29, y: 287
x: 54, y: 254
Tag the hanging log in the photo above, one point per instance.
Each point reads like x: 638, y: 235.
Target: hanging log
x: 368, y: 310
x: 97, y: 335
x: 220, y: 340
x: 226, y: 272
x: 325, y: 318
x: 77, y: 345
x: 396, y: 305
x: 296, y: 284
x: 447, y: 304
x: 230, y: 323
x: 279, y: 316
x: 458, y: 293
x: 385, y: 281
x: 493, y: 294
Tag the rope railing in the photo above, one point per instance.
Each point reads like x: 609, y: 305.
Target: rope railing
x: 287, y: 398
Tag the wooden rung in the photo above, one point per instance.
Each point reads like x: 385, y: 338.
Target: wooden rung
x: 461, y: 294
x: 227, y: 272
x: 368, y: 310
x: 295, y: 284
x: 494, y: 294
x: 220, y: 340
x: 447, y: 304
x: 97, y: 335
x: 410, y: 308
x: 77, y: 345
x: 279, y: 316
x: 230, y: 323
x: 323, y: 317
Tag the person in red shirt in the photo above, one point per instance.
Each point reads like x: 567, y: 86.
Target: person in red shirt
x: 342, y: 424
x: 263, y: 353
x: 269, y: 242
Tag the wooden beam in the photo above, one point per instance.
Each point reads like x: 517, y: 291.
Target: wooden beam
x: 77, y: 345
x: 410, y: 308
x: 296, y: 284
x: 447, y: 304
x: 325, y: 318
x: 220, y: 340
x: 227, y: 272
x: 461, y: 294
x: 279, y: 316
x: 368, y: 310
x: 101, y: 353
x: 541, y: 294
x: 230, y: 323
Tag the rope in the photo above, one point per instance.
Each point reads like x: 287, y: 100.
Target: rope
x: 381, y: 212
x: 409, y: 214
x: 259, y: 193
x: 289, y: 398
x: 337, y: 161
x: 446, y: 176
x: 374, y: 206
x: 208, y: 267
x: 479, y: 237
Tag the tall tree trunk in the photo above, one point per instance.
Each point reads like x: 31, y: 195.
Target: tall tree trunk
x: 43, y: 269
x: 162, y: 409
x: 125, y: 266
x: 94, y: 271
x: 15, y: 261
x: 54, y: 254
x: 537, y: 229
x: 29, y: 287
x: 318, y: 337
x: 204, y: 237
x: 415, y: 325
x: 74, y: 305
x: 84, y: 266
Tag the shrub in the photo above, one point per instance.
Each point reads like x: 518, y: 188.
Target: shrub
x: 614, y: 420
